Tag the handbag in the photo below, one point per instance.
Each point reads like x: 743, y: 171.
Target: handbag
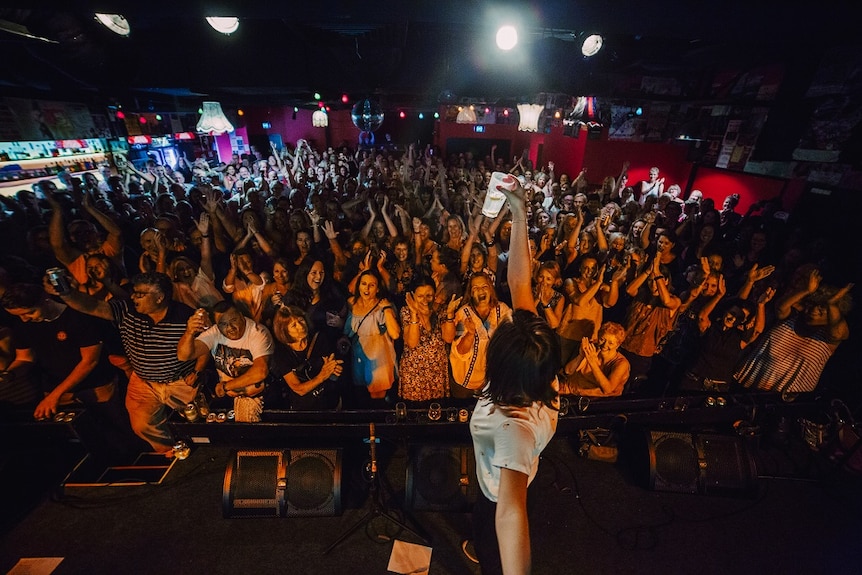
x: 601, y: 443
x: 345, y: 343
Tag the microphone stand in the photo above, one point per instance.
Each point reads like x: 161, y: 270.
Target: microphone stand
x: 377, y: 508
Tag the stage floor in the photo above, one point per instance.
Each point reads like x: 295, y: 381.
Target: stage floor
x: 585, y: 516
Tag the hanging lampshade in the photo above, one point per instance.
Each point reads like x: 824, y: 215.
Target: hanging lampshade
x: 467, y: 115
x: 319, y: 119
x: 213, y: 120
x: 529, y: 113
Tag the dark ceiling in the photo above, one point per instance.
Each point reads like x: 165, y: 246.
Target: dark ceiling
x: 406, y: 52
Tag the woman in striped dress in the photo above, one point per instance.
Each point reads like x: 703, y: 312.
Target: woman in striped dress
x: 792, y: 355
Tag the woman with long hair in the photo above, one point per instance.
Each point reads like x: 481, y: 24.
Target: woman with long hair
x: 305, y: 360
x: 372, y: 327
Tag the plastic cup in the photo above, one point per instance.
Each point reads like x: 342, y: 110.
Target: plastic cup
x: 495, y: 199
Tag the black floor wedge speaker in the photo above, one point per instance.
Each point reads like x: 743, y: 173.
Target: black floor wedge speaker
x: 283, y: 483
x: 709, y: 464
x: 313, y: 483
x: 441, y: 478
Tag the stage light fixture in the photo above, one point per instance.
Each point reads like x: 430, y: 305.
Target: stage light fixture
x: 436, y: 115
x: 421, y: 116
x: 116, y: 23
x: 507, y: 37
x: 592, y: 44
x: 225, y: 24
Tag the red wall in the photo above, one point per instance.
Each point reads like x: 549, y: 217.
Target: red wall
x: 601, y: 157
x: 605, y: 158
x: 718, y: 184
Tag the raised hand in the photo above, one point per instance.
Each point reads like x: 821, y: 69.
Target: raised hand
x: 766, y: 296
x: 452, y: 306
x: 329, y: 230
x: 203, y: 225
x: 755, y: 274
x: 841, y: 293
x: 814, y: 279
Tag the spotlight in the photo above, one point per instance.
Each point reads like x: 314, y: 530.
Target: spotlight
x: 507, y: 37
x: 225, y: 25
x: 402, y: 115
x: 317, y: 95
x: 592, y: 44
x: 344, y: 99
x: 421, y: 116
x: 240, y: 112
x: 115, y: 23
x: 121, y: 115
x: 436, y: 115
x: 142, y: 119
x: 158, y: 117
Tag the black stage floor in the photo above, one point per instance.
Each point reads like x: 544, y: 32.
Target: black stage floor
x: 804, y: 516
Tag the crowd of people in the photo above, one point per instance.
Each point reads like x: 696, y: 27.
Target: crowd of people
x: 322, y: 279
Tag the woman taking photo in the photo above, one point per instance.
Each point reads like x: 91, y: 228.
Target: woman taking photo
x: 515, y: 416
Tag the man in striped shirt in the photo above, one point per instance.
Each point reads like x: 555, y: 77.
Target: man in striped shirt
x: 150, y: 325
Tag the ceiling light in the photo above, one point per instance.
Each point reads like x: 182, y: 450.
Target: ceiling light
x: 592, y: 44
x: 466, y: 116
x: 224, y: 24
x: 507, y: 37
x: 213, y: 120
x: 319, y: 119
x: 115, y: 23
x: 529, y: 117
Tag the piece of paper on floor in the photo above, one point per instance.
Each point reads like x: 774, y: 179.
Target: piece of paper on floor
x: 35, y: 566
x: 409, y: 558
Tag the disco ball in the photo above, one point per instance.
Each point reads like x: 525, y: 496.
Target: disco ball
x: 366, y: 115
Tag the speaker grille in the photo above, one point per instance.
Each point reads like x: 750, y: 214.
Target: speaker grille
x: 313, y: 483
x: 251, y: 484
x: 441, y: 478
x: 676, y: 465
x: 728, y: 464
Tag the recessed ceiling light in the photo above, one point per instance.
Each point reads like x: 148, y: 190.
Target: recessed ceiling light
x: 115, y: 23
x: 224, y: 24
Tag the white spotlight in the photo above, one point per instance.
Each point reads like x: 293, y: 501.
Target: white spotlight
x: 592, y: 44
x: 507, y: 37
x: 225, y: 25
x: 115, y: 23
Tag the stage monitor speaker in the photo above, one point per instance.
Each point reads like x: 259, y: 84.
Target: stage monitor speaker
x: 252, y: 486
x: 709, y: 464
x: 313, y: 483
x: 292, y: 483
x: 441, y: 478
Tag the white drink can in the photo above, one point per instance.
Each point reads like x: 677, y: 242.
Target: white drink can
x: 494, y: 199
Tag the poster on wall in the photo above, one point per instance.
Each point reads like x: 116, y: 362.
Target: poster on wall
x: 626, y: 125
x: 33, y: 120
x: 837, y: 110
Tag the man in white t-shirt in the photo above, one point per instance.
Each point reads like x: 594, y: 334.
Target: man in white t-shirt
x: 240, y: 347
